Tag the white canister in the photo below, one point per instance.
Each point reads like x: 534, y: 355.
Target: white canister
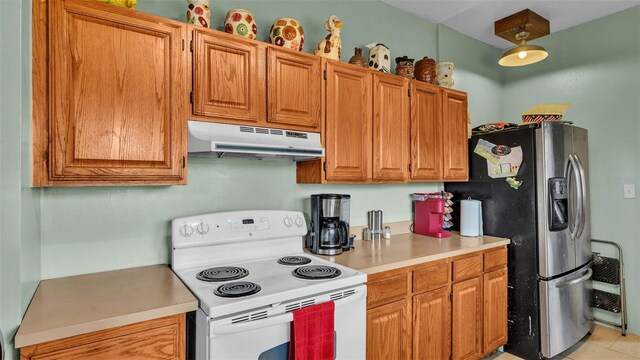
x: 470, y: 218
x: 445, y: 74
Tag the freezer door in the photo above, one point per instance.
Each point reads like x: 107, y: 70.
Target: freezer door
x: 557, y: 189
x: 583, y: 232
x: 565, y: 311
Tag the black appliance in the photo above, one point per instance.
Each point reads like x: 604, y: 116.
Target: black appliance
x: 547, y: 220
x: 329, y: 228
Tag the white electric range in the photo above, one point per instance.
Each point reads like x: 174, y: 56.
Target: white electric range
x: 249, y: 273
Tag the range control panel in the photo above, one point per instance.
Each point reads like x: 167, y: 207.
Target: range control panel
x: 236, y: 226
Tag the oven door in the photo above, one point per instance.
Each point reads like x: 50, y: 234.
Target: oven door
x: 268, y: 338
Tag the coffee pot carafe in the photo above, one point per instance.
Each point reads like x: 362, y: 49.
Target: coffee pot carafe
x: 329, y: 225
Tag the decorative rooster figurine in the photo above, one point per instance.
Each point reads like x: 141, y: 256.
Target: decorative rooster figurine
x: 331, y: 46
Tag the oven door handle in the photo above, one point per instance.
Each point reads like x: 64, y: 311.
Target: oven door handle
x: 284, y: 318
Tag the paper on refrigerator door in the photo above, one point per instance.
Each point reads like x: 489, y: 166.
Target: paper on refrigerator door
x: 507, y: 165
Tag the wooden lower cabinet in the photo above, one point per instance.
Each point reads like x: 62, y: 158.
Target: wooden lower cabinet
x: 466, y: 319
x: 388, y: 331
x: 432, y: 325
x: 162, y: 338
x: 453, y: 308
x: 495, y: 310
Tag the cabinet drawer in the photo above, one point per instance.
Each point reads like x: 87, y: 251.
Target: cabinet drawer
x: 386, y: 291
x: 434, y: 276
x: 495, y: 259
x: 467, y: 268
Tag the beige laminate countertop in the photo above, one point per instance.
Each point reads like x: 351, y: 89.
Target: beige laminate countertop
x: 410, y: 249
x: 82, y: 304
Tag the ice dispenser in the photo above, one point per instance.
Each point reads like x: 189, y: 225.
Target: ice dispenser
x: 558, y: 216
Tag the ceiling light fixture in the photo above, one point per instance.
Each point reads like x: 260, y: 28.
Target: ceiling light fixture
x: 518, y: 28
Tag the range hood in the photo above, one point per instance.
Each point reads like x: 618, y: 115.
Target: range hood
x: 239, y: 141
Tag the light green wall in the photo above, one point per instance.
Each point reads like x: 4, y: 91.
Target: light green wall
x: 95, y: 229
x: 596, y: 67
x: 20, y: 205
x: 475, y: 72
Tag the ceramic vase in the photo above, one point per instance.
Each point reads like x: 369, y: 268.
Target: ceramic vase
x: 198, y: 13
x: 404, y: 67
x: 445, y: 74
x: 241, y: 22
x: 288, y: 33
x: 379, y: 57
x: 358, y: 59
x: 426, y: 70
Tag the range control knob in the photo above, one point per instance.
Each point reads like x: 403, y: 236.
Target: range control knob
x: 299, y: 221
x: 202, y: 228
x: 186, y: 230
x: 288, y: 221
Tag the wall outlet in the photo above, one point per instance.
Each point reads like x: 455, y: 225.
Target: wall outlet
x: 629, y: 191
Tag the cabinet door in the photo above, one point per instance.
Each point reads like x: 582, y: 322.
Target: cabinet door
x: 467, y: 319
x: 388, y: 334
x: 495, y: 310
x: 117, y: 95
x: 390, y: 128
x: 432, y: 325
x: 294, y: 92
x: 229, y: 78
x: 454, y: 119
x: 426, y: 132
x: 348, y: 123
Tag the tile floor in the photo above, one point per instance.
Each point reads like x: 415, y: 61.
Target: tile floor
x: 603, y: 344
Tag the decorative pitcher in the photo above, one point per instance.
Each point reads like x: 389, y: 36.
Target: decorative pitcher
x: 379, y: 57
x: 198, y: 13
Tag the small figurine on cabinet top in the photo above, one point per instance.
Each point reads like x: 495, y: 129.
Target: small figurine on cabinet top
x: 404, y: 66
x: 241, y: 22
x: 130, y: 4
x: 358, y: 59
x: 198, y: 13
x: 331, y: 46
x: 379, y: 57
x: 288, y: 33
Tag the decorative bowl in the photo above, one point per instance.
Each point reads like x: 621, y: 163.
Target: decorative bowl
x: 533, y: 118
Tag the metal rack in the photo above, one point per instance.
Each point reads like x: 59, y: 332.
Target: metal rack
x: 610, y: 271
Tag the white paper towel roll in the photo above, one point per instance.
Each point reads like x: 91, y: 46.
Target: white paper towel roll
x: 470, y: 218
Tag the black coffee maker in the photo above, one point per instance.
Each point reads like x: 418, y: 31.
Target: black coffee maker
x: 329, y: 228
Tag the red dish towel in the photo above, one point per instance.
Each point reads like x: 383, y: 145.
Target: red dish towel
x: 312, y: 333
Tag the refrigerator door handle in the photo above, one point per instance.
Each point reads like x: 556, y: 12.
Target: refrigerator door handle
x: 578, y: 213
x: 583, y: 194
x: 582, y: 278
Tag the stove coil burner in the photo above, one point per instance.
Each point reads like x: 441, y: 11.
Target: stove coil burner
x: 237, y: 289
x: 294, y: 260
x: 224, y: 273
x: 316, y: 272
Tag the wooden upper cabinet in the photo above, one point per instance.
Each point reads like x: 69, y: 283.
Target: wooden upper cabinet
x: 228, y: 78
x: 117, y: 95
x: 467, y: 319
x: 348, y: 123
x: 390, y: 128
x: 388, y: 332
x: 456, y: 155
x: 432, y: 325
x: 426, y: 132
x: 294, y: 89
x: 495, y: 310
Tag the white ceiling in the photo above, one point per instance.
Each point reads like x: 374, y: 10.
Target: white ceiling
x: 475, y: 18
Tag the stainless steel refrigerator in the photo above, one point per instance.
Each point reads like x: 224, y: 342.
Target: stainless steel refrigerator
x: 547, y: 219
